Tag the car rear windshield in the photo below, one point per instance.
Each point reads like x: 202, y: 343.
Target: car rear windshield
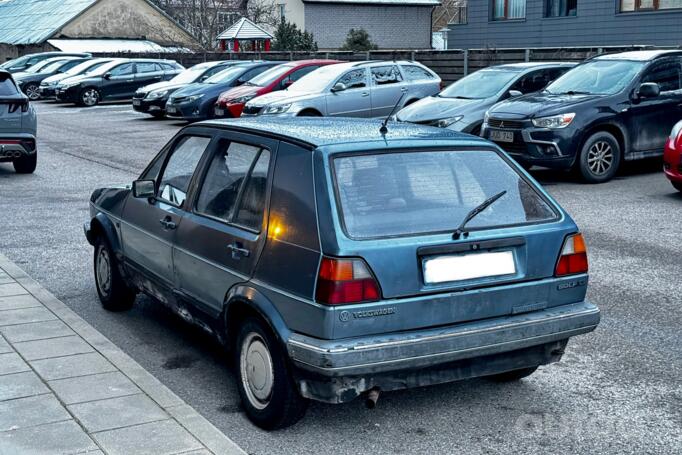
x: 7, y: 87
x: 412, y: 193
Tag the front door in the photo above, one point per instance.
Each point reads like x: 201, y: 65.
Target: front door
x: 652, y: 119
x: 220, y: 239
x: 387, y: 88
x: 120, y: 79
x: 149, y: 226
x: 354, y: 101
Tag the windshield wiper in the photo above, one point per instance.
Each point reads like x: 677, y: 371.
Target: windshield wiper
x: 574, y: 92
x: 474, y: 213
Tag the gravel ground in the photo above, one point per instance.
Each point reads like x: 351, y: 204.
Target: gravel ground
x: 617, y: 390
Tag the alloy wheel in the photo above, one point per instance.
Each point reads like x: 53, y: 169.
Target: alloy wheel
x: 103, y: 272
x: 90, y: 97
x: 600, y: 157
x: 257, y: 372
x: 33, y: 92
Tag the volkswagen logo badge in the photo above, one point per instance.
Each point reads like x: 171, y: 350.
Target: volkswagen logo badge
x: 344, y: 316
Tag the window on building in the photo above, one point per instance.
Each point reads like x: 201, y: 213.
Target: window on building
x: 227, y: 18
x: 281, y: 7
x: 648, y: 5
x: 509, y: 9
x: 561, y: 8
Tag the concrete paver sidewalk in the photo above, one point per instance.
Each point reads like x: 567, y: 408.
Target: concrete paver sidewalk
x: 66, y: 389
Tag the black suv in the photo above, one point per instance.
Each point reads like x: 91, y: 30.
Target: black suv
x: 117, y: 80
x: 608, y: 109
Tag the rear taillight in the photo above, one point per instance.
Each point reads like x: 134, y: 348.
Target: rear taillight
x: 573, y: 258
x: 343, y: 281
x: 13, y: 107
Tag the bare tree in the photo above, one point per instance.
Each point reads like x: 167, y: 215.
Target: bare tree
x: 262, y: 12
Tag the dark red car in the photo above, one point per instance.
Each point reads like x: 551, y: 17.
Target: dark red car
x: 672, y: 157
x: 231, y: 103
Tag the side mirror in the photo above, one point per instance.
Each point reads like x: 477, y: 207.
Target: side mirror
x: 203, y: 78
x: 649, y: 90
x: 514, y: 93
x: 240, y: 82
x: 107, y: 76
x: 144, y: 189
x: 338, y: 87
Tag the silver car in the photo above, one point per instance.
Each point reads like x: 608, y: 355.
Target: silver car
x: 358, y: 89
x: 18, y: 127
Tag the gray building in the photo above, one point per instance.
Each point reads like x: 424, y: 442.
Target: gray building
x: 567, y: 23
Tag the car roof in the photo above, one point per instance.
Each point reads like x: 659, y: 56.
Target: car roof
x: 641, y: 56
x: 318, y: 132
x: 531, y: 65
x: 313, y: 61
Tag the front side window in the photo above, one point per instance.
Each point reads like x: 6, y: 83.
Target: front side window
x: 666, y: 75
x: 413, y: 193
x: 353, y: 79
x: 180, y: 167
x: 561, y: 8
x: 509, y: 9
x: 385, y: 75
x: 648, y: 5
x: 234, y: 187
x: 597, y: 77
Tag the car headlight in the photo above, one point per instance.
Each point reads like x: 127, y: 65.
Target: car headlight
x: 194, y: 98
x: 444, y: 123
x: 157, y: 95
x: 277, y: 109
x: 242, y: 99
x: 677, y: 129
x: 555, y: 121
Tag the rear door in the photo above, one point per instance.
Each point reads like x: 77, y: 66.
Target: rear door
x: 355, y: 100
x: 11, y: 102
x: 221, y: 237
x: 146, y: 73
x: 121, y: 78
x: 387, y: 88
x: 149, y: 227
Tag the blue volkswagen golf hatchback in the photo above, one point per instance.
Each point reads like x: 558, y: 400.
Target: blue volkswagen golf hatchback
x: 337, y: 259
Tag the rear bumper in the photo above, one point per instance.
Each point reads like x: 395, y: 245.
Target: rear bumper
x: 13, y: 147
x: 329, y: 367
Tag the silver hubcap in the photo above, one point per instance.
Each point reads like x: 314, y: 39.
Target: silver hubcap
x: 32, y: 92
x: 90, y: 97
x: 256, y: 370
x: 600, y: 157
x: 103, y: 272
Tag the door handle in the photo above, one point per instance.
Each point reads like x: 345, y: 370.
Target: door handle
x: 168, y: 223
x: 404, y: 89
x: 238, y: 250
x: 365, y: 94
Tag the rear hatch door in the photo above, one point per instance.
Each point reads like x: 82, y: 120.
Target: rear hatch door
x: 12, y: 104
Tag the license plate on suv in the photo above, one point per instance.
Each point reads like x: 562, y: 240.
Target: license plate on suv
x: 448, y: 269
x: 501, y: 136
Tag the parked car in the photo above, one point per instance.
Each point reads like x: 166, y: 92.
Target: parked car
x: 152, y: 99
x: 672, y: 157
x: 116, y: 80
x: 608, y: 109
x: 196, y: 101
x: 49, y: 84
x: 337, y: 259
x: 18, y: 127
x: 361, y: 89
x: 30, y: 80
x: 231, y: 103
x: 24, y: 62
x: 463, y: 104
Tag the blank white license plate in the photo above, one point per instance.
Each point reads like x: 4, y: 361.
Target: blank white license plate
x: 137, y: 103
x: 445, y: 269
x: 171, y: 110
x: 220, y: 112
x: 502, y: 136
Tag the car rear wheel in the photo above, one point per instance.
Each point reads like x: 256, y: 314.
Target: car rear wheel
x: 33, y: 92
x: 514, y: 375
x: 677, y: 186
x: 600, y: 158
x: 268, y: 392
x: 113, y: 291
x: 26, y: 164
x: 157, y: 115
x: 89, y: 97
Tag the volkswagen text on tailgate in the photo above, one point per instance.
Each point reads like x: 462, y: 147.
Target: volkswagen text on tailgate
x: 339, y: 259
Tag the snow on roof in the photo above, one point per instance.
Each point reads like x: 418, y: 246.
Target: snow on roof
x: 244, y: 29
x: 111, y: 46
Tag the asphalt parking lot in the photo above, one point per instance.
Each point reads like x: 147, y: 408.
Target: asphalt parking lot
x: 617, y: 390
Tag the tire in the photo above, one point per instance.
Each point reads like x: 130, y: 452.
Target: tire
x: 32, y: 91
x: 677, y: 186
x: 114, y: 293
x: 269, y: 394
x: 600, y: 158
x: 514, y: 375
x: 26, y: 164
x: 158, y: 115
x: 309, y: 113
x: 89, y: 97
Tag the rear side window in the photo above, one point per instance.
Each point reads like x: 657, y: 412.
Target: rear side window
x: 147, y: 67
x: 7, y: 87
x: 383, y: 75
x: 410, y: 193
x: 415, y: 73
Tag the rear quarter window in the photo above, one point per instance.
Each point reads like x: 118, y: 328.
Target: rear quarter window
x: 413, y: 193
x: 415, y: 73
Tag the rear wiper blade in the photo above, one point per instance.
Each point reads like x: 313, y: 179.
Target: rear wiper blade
x: 474, y: 213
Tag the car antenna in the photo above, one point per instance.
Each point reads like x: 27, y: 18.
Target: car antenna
x: 384, y: 129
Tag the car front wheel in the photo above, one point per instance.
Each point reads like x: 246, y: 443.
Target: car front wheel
x: 268, y: 392
x: 89, y: 97
x: 112, y: 289
x: 599, y: 158
x: 677, y: 186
